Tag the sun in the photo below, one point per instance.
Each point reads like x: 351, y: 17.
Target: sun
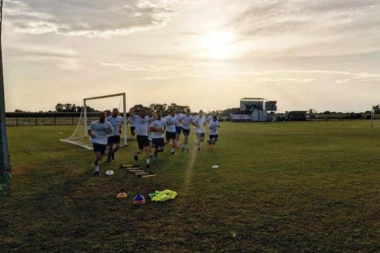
x: 218, y: 44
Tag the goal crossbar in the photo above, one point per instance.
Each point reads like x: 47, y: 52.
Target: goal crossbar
x: 124, y: 113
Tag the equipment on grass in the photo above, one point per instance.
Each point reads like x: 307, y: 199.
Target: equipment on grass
x: 215, y: 167
x: 80, y: 136
x: 122, y: 194
x: 138, y: 199
x: 109, y: 172
x: 138, y: 171
x: 161, y: 196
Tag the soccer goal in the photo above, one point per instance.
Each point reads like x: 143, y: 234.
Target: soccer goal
x: 375, y: 116
x: 108, y: 102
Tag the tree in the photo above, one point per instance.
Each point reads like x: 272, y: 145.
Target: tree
x: 59, y: 107
x: 327, y: 112
x: 161, y: 107
x: 18, y: 110
x: 313, y: 111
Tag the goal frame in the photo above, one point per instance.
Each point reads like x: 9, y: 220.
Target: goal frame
x: 125, y: 122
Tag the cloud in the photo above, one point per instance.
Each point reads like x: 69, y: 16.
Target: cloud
x: 343, y: 81
x: 313, y: 75
x: 63, y: 58
x: 100, y: 18
x: 301, y: 27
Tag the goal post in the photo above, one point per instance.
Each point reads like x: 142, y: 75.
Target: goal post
x: 125, y: 139
x: 80, y: 136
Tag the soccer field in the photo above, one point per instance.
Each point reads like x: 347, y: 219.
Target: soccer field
x: 282, y: 187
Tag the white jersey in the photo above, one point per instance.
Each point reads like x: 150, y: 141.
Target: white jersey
x: 169, y: 126
x: 178, y: 117
x: 186, y: 121
x: 115, y: 122
x: 142, y: 124
x: 213, y: 126
x: 200, y: 122
x: 157, y: 124
x: 130, y: 120
x: 100, y: 132
x: 211, y: 118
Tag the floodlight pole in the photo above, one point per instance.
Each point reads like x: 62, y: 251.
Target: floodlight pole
x: 4, y: 155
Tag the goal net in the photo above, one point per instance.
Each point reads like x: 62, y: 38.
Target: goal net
x: 103, y: 103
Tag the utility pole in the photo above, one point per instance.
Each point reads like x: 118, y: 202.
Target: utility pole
x: 4, y: 155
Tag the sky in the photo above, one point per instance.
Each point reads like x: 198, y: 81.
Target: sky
x: 207, y: 54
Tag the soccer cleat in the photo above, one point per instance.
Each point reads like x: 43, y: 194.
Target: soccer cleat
x: 172, y: 153
x: 155, y: 160
x: 136, y: 157
x: 97, y: 173
x: 199, y: 149
x: 147, y: 166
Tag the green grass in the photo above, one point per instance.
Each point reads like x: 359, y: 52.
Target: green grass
x: 284, y: 187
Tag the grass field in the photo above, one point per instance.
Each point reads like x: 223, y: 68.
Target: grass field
x: 284, y: 187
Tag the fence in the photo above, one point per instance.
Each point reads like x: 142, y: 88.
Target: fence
x: 46, y: 119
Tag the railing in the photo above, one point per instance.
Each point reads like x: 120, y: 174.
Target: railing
x: 46, y: 119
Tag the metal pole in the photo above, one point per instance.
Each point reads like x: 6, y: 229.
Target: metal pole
x: 85, y: 117
x: 125, y: 119
x: 4, y: 155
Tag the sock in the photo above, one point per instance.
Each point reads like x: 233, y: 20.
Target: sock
x: 96, y: 168
x: 147, y: 161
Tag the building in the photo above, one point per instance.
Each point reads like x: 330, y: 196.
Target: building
x: 254, y: 110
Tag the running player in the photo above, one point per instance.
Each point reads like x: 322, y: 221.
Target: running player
x: 210, y: 118
x: 98, y: 132
x: 170, y: 130
x: 132, y: 125
x: 186, y: 121
x: 157, y: 128
x: 142, y: 122
x: 114, y: 138
x: 213, y: 134
x: 200, y: 122
x: 178, y: 127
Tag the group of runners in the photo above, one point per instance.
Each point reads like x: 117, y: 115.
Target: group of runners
x: 152, y: 131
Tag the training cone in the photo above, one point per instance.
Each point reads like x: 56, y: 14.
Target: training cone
x: 138, y: 199
x: 121, y: 195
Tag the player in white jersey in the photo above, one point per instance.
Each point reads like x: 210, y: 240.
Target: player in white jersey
x: 114, y: 138
x: 200, y: 122
x: 157, y: 129
x: 170, y: 130
x: 142, y: 122
x: 178, y: 126
x: 213, y: 134
x: 98, y: 134
x: 132, y: 127
x: 210, y: 117
x: 187, y: 121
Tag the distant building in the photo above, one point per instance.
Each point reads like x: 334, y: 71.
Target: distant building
x: 254, y: 110
x: 296, y: 116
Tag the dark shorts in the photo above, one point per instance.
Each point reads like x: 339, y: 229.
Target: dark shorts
x: 158, y: 143
x: 133, y: 130
x: 99, y: 148
x: 200, y: 135
x: 178, y: 130
x: 170, y: 136
x: 186, y: 132
x: 213, y: 136
x: 143, y: 141
x: 113, y: 140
